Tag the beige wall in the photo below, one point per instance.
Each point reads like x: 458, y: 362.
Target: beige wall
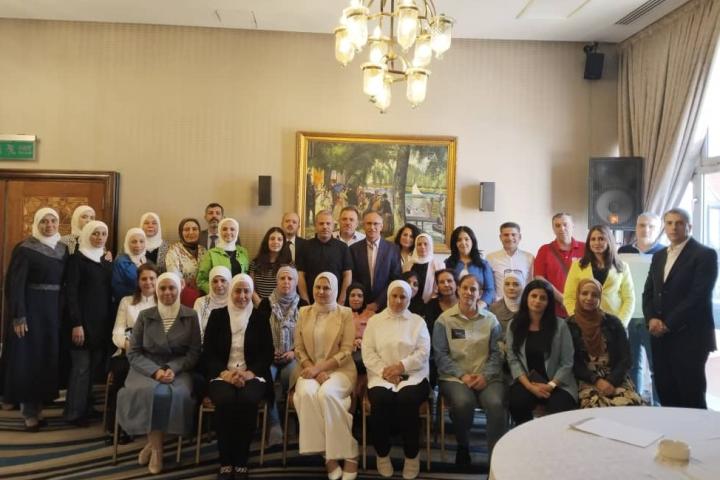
x: 191, y: 115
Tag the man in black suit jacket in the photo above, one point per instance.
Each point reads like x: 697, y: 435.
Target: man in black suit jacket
x: 291, y: 225
x: 214, y: 212
x: 677, y: 304
x: 386, y: 261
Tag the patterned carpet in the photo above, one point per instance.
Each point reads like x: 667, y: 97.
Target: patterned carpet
x: 61, y: 451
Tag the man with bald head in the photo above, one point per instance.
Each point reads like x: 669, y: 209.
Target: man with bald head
x: 323, y: 254
x: 376, y: 262
x: 291, y: 225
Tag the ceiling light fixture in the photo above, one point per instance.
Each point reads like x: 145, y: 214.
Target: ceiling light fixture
x: 398, y: 25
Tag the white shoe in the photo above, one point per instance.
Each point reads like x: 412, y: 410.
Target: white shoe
x: 411, y: 468
x: 144, y: 455
x: 350, y: 475
x: 156, y: 462
x: 384, y: 466
x: 336, y: 474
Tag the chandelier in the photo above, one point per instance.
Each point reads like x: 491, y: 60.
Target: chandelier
x: 399, y: 25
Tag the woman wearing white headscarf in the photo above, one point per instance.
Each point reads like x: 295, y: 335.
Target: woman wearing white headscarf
x: 220, y: 278
x: 424, y: 263
x: 157, y: 248
x: 283, y: 306
x: 157, y: 396
x: 512, y: 288
x: 81, y: 216
x: 225, y: 252
x: 396, y: 350
x: 32, y: 344
x: 237, y: 353
x: 325, y: 379
x: 89, y: 307
x: 124, y: 275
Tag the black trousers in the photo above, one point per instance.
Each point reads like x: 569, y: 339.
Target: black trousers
x: 679, y: 372
x: 235, y: 418
x: 522, y: 402
x: 119, y: 366
x: 397, y: 411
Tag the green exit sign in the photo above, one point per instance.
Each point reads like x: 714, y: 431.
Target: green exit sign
x: 17, y: 147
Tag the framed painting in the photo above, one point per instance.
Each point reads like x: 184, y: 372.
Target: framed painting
x: 405, y: 179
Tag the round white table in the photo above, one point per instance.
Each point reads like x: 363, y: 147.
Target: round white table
x: 547, y: 448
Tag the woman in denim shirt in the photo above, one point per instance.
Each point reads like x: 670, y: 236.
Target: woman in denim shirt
x: 465, y: 257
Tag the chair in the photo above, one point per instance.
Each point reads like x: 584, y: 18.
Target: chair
x: 441, y: 417
x: 206, y: 407
x: 290, y: 407
x: 178, y: 454
x: 108, y: 384
x: 425, y: 414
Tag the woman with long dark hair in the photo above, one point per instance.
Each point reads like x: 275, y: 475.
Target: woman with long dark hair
x: 540, y: 355
x: 465, y: 257
x: 273, y: 253
x: 405, y: 240
x: 602, y: 263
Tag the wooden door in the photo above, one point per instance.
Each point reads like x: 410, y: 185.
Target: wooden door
x: 23, y: 192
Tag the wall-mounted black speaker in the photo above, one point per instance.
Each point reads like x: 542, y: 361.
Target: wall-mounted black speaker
x: 487, y: 196
x: 615, y: 192
x: 264, y: 190
x: 594, y: 65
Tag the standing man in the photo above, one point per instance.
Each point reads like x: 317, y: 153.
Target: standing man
x: 554, y: 259
x: 214, y: 212
x: 376, y: 262
x: 638, y: 256
x: 323, y: 254
x: 677, y: 303
x: 510, y: 257
x: 290, y: 225
x: 348, y: 223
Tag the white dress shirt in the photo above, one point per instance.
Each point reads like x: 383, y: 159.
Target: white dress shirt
x: 501, y: 261
x: 673, y: 252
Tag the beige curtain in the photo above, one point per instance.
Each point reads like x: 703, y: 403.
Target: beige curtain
x: 663, y: 75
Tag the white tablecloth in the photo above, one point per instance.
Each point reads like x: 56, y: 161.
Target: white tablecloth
x: 547, y: 448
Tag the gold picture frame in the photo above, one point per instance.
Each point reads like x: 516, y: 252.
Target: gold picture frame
x: 404, y: 178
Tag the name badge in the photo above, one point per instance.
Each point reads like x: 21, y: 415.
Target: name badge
x: 457, y: 333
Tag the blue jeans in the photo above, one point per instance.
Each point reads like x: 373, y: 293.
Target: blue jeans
x: 283, y: 372
x: 639, y: 338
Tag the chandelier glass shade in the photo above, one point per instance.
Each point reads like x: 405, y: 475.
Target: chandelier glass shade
x: 397, y: 27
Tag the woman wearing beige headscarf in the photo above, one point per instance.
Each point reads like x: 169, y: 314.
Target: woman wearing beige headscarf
x: 156, y: 247
x: 602, y: 352
x: 81, y: 215
x: 325, y: 379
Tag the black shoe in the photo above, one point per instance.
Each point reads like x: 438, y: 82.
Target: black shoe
x: 241, y: 473
x: 124, y: 438
x: 462, y: 456
x: 80, y: 422
x: 225, y: 473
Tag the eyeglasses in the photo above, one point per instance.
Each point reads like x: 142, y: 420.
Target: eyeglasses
x: 512, y: 270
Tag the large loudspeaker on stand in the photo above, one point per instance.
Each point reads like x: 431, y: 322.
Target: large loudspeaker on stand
x: 615, y: 192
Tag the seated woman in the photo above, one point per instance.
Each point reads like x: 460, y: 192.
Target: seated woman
x: 237, y: 353
x: 226, y: 253
x: 220, y: 278
x: 405, y: 241
x: 273, y: 253
x: 356, y: 301
x: 325, y: 379
x: 445, y: 300
x: 469, y: 363
x: 89, y: 305
x: 424, y: 263
x: 465, y: 257
x: 183, y: 257
x: 602, y: 352
x: 506, y: 308
x: 125, y: 266
x: 156, y: 247
x: 601, y: 262
x: 283, y: 307
x: 127, y: 314
x: 396, y: 349
x: 417, y: 306
x: 540, y: 355
x: 157, y: 397
x: 81, y: 216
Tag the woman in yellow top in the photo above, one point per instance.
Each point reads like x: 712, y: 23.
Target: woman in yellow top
x: 601, y: 262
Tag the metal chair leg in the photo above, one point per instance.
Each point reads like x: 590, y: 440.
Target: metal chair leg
x: 178, y: 455
x: 108, y: 383
x: 364, y: 435
x: 441, y: 416
x: 264, y: 432
x: 428, y: 422
x: 285, y: 430
x: 115, y: 439
x: 198, y: 440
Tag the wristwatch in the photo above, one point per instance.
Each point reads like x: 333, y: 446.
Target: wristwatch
x: 552, y: 384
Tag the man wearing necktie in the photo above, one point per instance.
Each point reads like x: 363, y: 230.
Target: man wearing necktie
x: 214, y: 212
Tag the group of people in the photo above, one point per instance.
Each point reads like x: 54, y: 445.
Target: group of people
x: 348, y: 312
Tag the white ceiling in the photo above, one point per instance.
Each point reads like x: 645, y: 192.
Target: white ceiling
x: 592, y: 20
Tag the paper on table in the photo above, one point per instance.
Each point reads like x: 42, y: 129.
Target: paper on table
x: 639, y: 437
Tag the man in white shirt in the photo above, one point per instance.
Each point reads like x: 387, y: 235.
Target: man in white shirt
x: 677, y: 303
x: 348, y: 223
x: 510, y: 257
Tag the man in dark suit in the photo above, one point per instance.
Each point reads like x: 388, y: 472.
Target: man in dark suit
x: 291, y: 225
x: 214, y: 212
x: 677, y: 304
x: 382, y: 255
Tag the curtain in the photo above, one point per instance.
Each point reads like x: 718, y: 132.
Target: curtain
x: 663, y: 77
